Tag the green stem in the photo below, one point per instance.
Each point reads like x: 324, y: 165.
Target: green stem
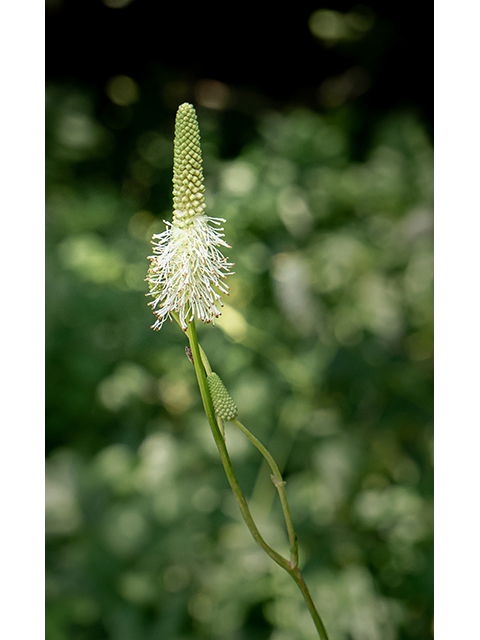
x: 203, y: 355
x: 279, y: 482
x: 297, y: 576
x: 200, y: 361
x: 220, y: 442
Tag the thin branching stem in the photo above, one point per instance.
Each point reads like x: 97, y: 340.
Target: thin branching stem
x: 279, y: 483
x: 201, y: 365
x: 220, y: 442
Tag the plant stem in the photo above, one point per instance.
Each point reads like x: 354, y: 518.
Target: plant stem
x: 220, y: 442
x: 201, y: 363
x: 297, y: 576
x: 280, y: 485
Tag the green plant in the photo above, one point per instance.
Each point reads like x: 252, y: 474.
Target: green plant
x: 186, y: 280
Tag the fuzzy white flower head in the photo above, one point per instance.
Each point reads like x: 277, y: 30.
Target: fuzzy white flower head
x: 187, y: 270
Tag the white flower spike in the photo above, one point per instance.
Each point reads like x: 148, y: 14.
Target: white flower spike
x: 187, y: 270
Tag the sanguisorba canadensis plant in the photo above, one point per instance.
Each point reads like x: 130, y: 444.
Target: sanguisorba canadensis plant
x: 186, y: 279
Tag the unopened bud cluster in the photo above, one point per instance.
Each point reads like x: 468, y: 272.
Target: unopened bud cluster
x: 224, y: 406
x: 188, y: 188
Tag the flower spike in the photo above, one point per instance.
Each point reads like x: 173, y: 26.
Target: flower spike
x: 187, y: 270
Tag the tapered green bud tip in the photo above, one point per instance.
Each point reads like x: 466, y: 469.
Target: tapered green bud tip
x: 185, y: 107
x: 224, y: 406
x: 186, y: 117
x: 188, y: 189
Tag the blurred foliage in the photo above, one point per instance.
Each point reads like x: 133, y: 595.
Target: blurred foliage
x: 325, y: 345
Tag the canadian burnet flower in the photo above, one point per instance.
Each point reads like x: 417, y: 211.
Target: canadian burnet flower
x: 187, y: 269
x: 187, y: 279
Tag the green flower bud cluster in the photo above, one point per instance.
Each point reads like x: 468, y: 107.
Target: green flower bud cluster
x: 224, y: 406
x: 188, y: 188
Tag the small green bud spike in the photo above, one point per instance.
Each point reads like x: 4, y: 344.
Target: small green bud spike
x: 188, y: 188
x: 224, y: 406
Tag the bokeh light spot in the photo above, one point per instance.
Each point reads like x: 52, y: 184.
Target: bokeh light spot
x: 292, y: 291
x: 337, y: 90
x: 175, y: 578
x: 200, y: 607
x: 158, y: 457
x: 233, y: 323
x: 62, y: 512
x: 175, y: 394
x: 115, y: 465
x: 90, y: 258
x: 125, y: 530
x: 238, y: 178
x: 327, y: 25
x: 206, y: 499
x: 137, y: 588
x: 127, y: 382
x: 294, y: 211
x: 122, y: 90
x: 333, y: 26
x: 212, y: 94
x: 116, y: 4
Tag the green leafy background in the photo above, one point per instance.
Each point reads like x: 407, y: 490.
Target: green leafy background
x: 325, y: 345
